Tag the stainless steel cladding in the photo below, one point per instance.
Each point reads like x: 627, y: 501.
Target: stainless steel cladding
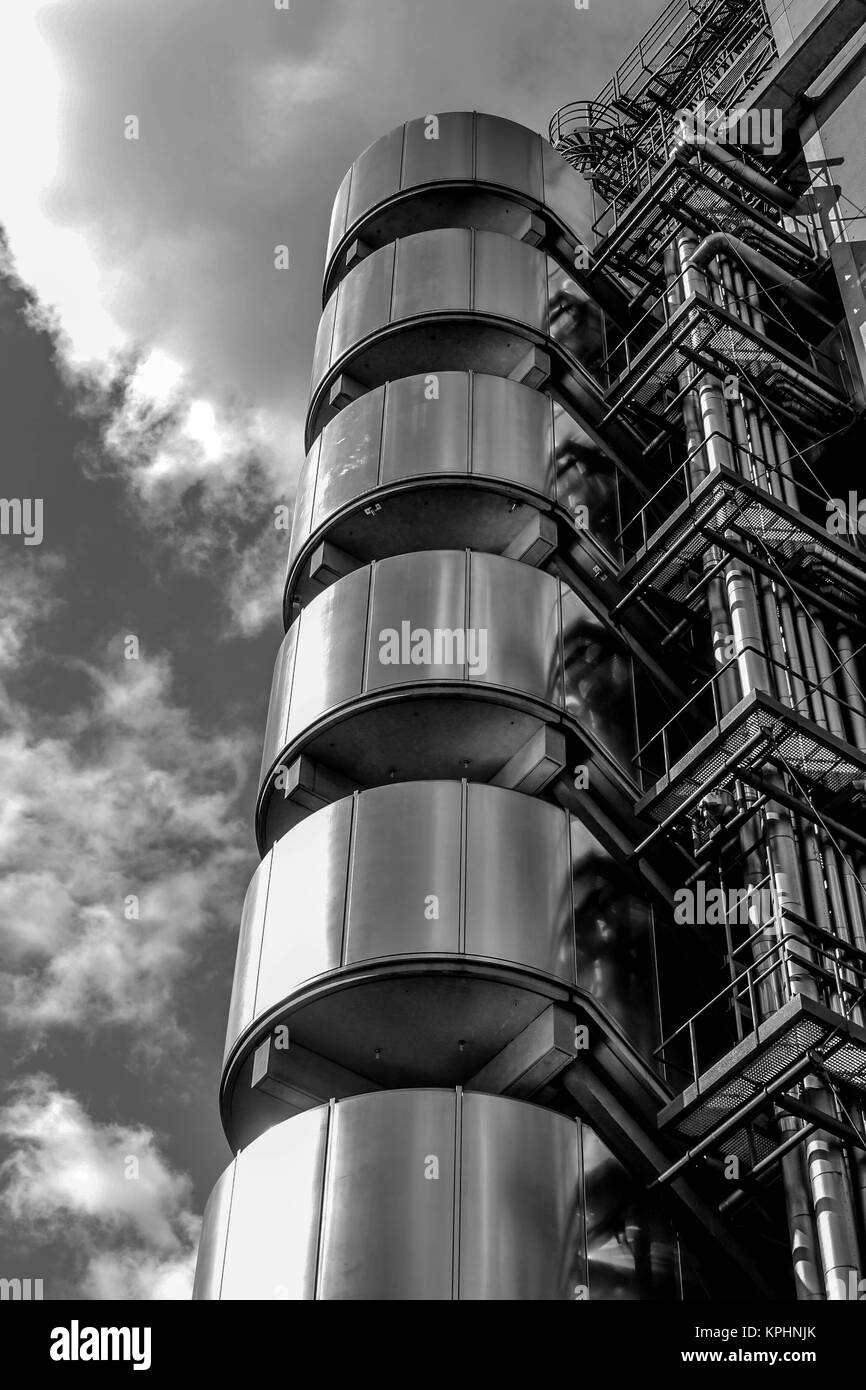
x: 458, y: 168
x: 411, y: 911
x: 460, y: 460
x: 454, y: 298
x: 434, y: 1195
x: 450, y: 913
x: 439, y: 664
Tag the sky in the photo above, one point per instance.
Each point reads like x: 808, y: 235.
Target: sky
x: 154, y: 366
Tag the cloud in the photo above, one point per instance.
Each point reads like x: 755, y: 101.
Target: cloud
x: 152, y: 259
x: 102, y: 1191
x: 254, y: 589
x: 120, y: 841
x: 29, y: 597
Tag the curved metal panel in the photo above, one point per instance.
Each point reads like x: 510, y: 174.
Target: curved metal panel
x: 433, y: 273
x: 499, y: 298
x: 339, y: 214
x: 382, y: 1209
x: 405, y: 874
x: 417, y: 615
x: 512, y: 433
x: 510, y: 280
x: 242, y: 1009
x: 417, y: 631
x: 507, y: 598
x: 438, y: 152
x: 403, y: 1204
x: 531, y: 884
x: 302, y: 516
x: 520, y: 1231
x: 469, y: 676
x: 518, y: 885
x: 323, y: 350
x: 214, y: 1235
x: 490, y: 156
x: 509, y: 154
x: 349, y: 462
x: 363, y: 301
x: 330, y: 656
x: 376, y: 173
x: 565, y: 194
x: 405, y: 871
x: 280, y: 700
x: 274, y: 1226
x: 306, y: 904
x: 426, y: 426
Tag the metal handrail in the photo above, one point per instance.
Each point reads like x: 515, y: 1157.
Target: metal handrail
x: 581, y: 115
x: 682, y: 475
x: 840, y: 978
x: 712, y: 687
x: 694, y: 80
x: 619, y: 208
x: 668, y: 305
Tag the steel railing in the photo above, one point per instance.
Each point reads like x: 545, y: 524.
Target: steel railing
x: 681, y: 484
x: 690, y: 724
x: 836, y: 968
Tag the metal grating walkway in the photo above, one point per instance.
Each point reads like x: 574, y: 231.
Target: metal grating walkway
x: 703, y: 335
x: 803, y: 1032
x: 758, y: 730
x: 722, y: 500
x: 639, y: 237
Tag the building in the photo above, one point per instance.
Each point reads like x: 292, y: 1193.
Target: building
x: 550, y: 984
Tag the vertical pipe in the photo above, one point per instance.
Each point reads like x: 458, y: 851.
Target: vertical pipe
x: 851, y: 688
x: 824, y: 1158
x: 696, y: 433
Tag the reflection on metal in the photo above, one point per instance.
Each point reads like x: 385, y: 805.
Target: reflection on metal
x: 459, y: 460
x: 491, y: 889
x: 432, y: 1195
x: 457, y: 169
x: 565, y: 642
x: 508, y: 650
x: 455, y: 299
x: 740, y: 361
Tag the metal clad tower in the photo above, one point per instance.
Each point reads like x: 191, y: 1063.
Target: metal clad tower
x: 549, y: 981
